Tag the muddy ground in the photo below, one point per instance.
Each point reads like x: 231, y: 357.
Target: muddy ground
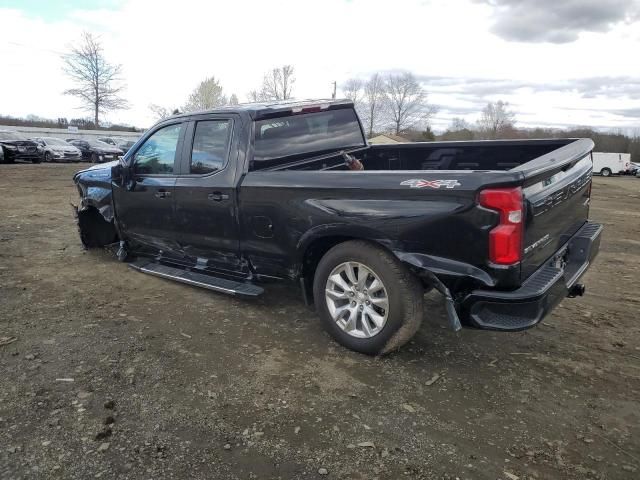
x: 203, y: 385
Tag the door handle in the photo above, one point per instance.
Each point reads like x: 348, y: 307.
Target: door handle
x: 218, y: 196
x: 162, y: 194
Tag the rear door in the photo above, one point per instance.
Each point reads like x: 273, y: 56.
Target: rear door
x: 205, y: 197
x: 557, y: 193
x: 145, y: 207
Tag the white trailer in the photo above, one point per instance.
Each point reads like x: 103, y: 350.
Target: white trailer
x: 607, y: 164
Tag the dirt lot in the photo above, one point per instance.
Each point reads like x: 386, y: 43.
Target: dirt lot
x: 208, y: 386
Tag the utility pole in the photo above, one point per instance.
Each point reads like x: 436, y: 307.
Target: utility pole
x: 335, y: 86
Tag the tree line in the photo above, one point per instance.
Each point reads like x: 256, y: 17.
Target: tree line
x: 498, y: 122
x: 63, y: 122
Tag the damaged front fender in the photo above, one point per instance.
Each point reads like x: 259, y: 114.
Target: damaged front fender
x: 95, y: 213
x: 94, y: 187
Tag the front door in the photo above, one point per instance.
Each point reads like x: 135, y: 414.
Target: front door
x: 145, y: 206
x: 205, y: 196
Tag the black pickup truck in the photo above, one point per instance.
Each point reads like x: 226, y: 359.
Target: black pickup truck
x: 235, y: 197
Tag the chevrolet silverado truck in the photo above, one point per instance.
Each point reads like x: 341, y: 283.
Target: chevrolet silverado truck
x: 233, y: 198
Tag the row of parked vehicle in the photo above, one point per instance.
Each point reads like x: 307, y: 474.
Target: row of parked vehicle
x: 15, y: 146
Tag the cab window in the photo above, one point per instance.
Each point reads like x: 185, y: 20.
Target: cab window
x: 210, y: 146
x: 156, y: 156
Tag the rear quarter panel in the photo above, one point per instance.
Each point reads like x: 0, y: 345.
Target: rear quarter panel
x: 283, y: 212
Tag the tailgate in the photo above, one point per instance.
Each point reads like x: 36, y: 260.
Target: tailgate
x: 556, y: 194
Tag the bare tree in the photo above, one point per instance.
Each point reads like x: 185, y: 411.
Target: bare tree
x: 352, y: 89
x: 496, y: 119
x: 159, y: 111
x: 207, y: 95
x: 277, y: 84
x: 98, y: 83
x: 459, y: 129
x: 233, y: 99
x: 373, y: 109
x: 458, y: 124
x: 254, y: 96
x: 406, y: 102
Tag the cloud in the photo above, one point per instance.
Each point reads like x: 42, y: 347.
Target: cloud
x: 627, y: 113
x: 611, y: 101
x: 608, y: 86
x: 613, y: 87
x: 558, y: 21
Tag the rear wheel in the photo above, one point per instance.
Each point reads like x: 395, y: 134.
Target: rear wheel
x: 94, y: 158
x: 367, y: 300
x: 605, y: 172
x: 36, y: 160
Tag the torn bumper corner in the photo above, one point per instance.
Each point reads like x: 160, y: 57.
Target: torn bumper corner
x: 417, y: 263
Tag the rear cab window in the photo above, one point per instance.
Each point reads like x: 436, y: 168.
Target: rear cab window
x: 285, y: 139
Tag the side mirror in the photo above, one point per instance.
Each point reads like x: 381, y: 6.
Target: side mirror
x: 121, y: 174
x: 116, y: 173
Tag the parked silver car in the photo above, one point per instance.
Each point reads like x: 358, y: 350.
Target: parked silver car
x: 57, y: 150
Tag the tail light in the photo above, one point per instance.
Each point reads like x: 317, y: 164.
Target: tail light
x: 505, y: 240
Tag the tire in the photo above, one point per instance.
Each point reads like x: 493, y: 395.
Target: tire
x: 36, y: 160
x: 94, y: 158
x: 605, y: 172
x: 401, y: 289
x: 47, y: 157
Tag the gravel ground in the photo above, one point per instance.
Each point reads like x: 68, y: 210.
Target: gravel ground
x: 109, y: 373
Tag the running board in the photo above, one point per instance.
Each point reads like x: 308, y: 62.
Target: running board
x: 197, y: 279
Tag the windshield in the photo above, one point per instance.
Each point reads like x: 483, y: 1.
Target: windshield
x: 11, y: 136
x: 287, y: 137
x: 54, y: 141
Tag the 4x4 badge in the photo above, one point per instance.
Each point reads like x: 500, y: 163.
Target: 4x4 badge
x: 421, y: 183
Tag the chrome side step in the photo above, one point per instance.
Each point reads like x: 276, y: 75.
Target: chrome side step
x: 197, y: 279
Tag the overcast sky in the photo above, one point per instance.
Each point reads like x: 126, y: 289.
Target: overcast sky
x: 558, y: 62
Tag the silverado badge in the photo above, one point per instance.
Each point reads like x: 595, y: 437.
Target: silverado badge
x: 421, y: 183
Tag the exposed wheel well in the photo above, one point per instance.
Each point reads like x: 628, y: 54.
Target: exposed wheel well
x: 317, y: 249
x: 95, y: 231
x: 312, y: 255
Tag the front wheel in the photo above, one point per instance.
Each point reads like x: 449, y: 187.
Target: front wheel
x: 605, y: 172
x: 367, y: 299
x: 47, y: 157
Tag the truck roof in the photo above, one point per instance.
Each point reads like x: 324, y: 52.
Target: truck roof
x: 271, y: 108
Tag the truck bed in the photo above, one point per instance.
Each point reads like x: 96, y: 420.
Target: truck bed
x: 477, y: 155
x: 554, y: 175
x: 481, y: 155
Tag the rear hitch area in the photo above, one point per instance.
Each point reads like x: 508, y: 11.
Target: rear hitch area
x: 577, y: 290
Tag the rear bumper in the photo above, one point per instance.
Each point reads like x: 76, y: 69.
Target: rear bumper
x: 540, y: 293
